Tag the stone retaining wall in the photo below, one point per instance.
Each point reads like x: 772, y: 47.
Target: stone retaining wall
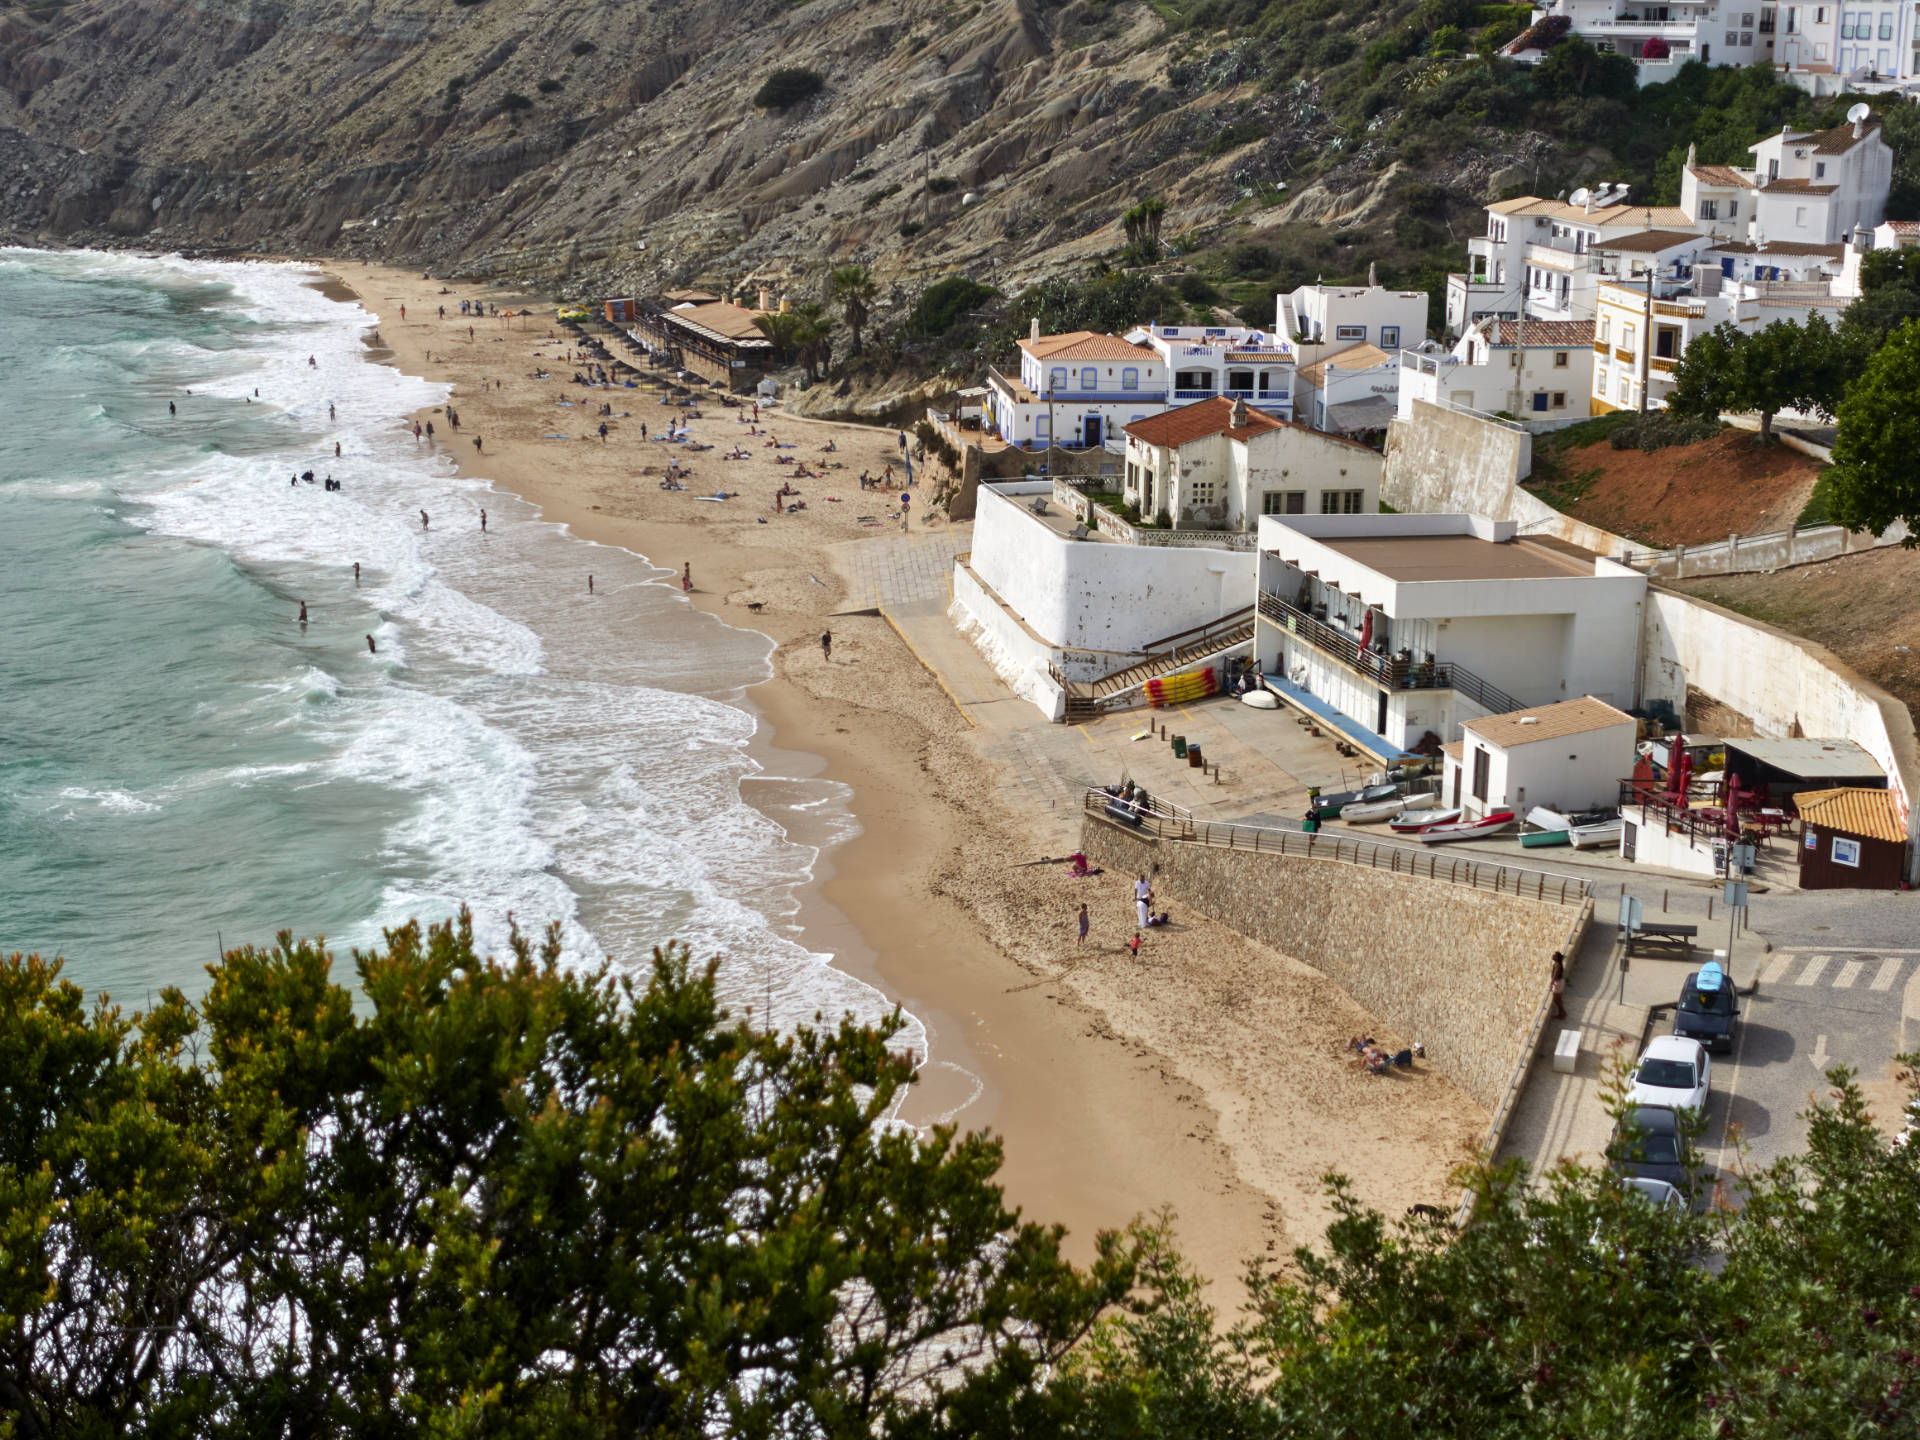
x: 1463, y: 971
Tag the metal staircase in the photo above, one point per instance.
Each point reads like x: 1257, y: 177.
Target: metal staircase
x: 1171, y: 653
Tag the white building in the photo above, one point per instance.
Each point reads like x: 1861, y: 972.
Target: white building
x: 1316, y: 321
x: 1077, y: 389
x: 1809, y: 187
x: 1570, y: 756
x: 1050, y: 600
x: 1538, y: 370
x: 1824, y: 49
x: 1407, y: 626
x: 1351, y: 391
x: 1234, y: 362
x: 1219, y: 465
x: 1539, y: 257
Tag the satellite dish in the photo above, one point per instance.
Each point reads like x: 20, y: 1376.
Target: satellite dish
x: 1859, y: 113
x: 1580, y: 196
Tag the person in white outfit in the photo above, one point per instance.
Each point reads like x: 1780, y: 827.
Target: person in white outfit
x: 1142, y: 899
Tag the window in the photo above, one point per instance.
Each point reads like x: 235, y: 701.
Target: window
x: 1389, y: 337
x: 1820, y: 170
x: 1733, y: 209
x: 1626, y: 390
x: 1482, y: 772
x: 1886, y: 25
x: 1600, y: 378
x: 1709, y: 209
x: 1090, y: 378
x: 1057, y: 379
x: 1341, y: 502
x: 1606, y: 323
x: 1559, y: 359
x: 1043, y: 428
x: 1800, y: 216
x: 1746, y: 37
x: 1793, y: 20
x: 1628, y: 334
x: 1819, y: 51
x: 1733, y: 38
x: 1130, y: 378
x: 1746, y: 18
x: 1766, y: 22
x: 1350, y: 332
x: 1559, y: 399
x: 1284, y: 502
x: 1202, y: 492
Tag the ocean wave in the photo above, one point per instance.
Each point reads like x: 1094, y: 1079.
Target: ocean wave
x: 112, y: 802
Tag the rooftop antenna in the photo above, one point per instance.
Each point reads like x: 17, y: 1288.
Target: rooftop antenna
x: 1582, y: 196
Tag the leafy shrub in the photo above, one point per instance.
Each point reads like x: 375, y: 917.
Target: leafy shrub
x: 1447, y: 40
x: 873, y: 198
x: 787, y: 87
x: 944, y: 302
x: 1196, y: 290
x: 583, y: 47
x: 1658, y: 429
x: 548, y: 86
x: 910, y: 228
x: 514, y: 100
x: 860, y: 176
x: 942, y: 184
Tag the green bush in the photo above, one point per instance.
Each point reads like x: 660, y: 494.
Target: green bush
x: 942, y: 184
x: 874, y: 197
x: 514, y: 100
x: 548, y: 86
x: 910, y: 228
x: 787, y: 87
x: 944, y: 302
x: 583, y: 47
x: 1658, y: 429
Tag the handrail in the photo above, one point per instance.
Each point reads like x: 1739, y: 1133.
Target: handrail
x: 1238, y: 617
x: 1518, y: 880
x: 1387, y: 671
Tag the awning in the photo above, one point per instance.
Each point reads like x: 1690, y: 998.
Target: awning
x: 1372, y: 413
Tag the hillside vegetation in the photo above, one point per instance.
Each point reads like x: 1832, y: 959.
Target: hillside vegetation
x: 602, y: 148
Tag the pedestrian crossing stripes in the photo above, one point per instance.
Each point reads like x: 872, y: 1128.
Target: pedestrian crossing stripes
x: 1789, y: 967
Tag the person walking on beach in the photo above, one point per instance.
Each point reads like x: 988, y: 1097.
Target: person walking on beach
x: 1143, y: 899
x: 424, y: 522
x: 906, y: 505
x: 443, y: 312
x: 336, y: 449
x: 312, y: 363
x: 1559, y: 983
x: 429, y: 432
x: 372, y: 649
x: 483, y: 522
x: 826, y: 646
x: 356, y: 573
x: 416, y: 431
x: 603, y: 432
x: 403, y: 315
x: 170, y: 409
x: 1085, y: 922
x: 476, y: 442
x: 643, y: 429
x: 329, y: 410
x: 589, y: 584
x: 1134, y: 945
x: 686, y: 578
x: 303, y: 612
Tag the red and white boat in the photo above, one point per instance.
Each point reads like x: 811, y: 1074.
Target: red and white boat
x: 1490, y: 824
x: 1412, y: 822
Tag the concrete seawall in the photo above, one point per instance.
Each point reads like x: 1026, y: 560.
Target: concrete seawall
x: 1464, y: 971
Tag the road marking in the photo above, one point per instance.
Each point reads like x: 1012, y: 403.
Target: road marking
x: 1889, y: 968
x: 1819, y: 1055
x: 1849, y: 973
x: 1777, y: 968
x: 1811, y: 974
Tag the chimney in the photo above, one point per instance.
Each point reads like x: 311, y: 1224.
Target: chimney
x: 1238, y: 418
x: 1033, y: 334
x: 1590, y: 200
x: 1373, y: 276
x: 1693, y: 155
x: 786, y: 306
x: 766, y: 298
x: 1859, y: 127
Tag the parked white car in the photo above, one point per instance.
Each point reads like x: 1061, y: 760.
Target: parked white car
x: 1675, y: 1072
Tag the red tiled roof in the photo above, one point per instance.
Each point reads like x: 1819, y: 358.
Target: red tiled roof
x: 1175, y: 428
x: 1904, y: 227
x: 1649, y: 242
x: 1841, y: 138
x: 1085, y: 345
x: 1541, y: 334
x: 1800, y: 187
x: 1854, y: 811
x: 1722, y: 175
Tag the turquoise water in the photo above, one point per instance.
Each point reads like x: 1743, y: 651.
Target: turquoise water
x: 183, y: 763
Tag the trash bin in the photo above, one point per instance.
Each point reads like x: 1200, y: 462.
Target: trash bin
x: 1179, y: 745
x: 1194, y: 758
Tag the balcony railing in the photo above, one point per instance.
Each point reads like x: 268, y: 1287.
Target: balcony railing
x: 1194, y: 394
x: 1389, y: 672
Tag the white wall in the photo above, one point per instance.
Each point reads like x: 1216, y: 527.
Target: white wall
x: 1094, y: 595
x: 1572, y: 772
x: 1017, y: 658
x: 1654, y: 845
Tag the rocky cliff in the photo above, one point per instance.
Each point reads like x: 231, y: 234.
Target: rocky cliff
x: 617, y: 143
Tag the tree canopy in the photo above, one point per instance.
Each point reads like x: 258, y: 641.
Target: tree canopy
x: 1875, y: 480
x: 507, y: 1199
x: 1786, y: 365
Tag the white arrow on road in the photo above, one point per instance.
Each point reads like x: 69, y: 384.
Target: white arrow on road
x: 1819, y: 1056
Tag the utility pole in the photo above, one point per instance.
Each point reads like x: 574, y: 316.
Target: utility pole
x: 1051, y: 441
x: 1646, y: 343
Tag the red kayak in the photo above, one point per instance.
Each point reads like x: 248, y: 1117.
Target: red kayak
x: 1486, y: 825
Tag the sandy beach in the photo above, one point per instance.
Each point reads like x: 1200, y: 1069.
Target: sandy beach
x: 1207, y: 1076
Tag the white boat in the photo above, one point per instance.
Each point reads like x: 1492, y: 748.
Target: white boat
x: 1409, y: 822
x: 1601, y: 834
x: 1479, y: 829
x: 1371, y: 811
x: 1542, y: 818
x: 1261, y: 700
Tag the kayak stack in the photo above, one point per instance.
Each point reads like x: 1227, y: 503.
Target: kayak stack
x: 1178, y: 689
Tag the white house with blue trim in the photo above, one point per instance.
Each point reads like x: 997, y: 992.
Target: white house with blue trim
x: 1077, y: 390
x: 1225, y: 362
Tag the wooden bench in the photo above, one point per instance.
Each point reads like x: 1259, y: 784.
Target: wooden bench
x: 1663, y: 939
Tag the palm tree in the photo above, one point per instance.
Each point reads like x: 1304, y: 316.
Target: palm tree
x: 1141, y: 223
x: 854, y: 288
x: 782, y: 329
x: 814, y: 337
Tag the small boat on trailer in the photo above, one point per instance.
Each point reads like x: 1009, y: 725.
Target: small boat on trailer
x: 1412, y: 822
x: 1597, y: 832
x: 1486, y: 825
x: 1329, y: 807
x: 1370, y: 811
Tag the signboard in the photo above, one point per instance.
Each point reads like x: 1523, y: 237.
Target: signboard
x: 1735, y: 893
x: 1629, y: 913
x: 1743, y: 857
x: 1845, y: 851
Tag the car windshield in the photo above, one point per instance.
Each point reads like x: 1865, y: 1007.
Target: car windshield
x: 1708, y: 1002
x: 1659, y: 1147
x: 1666, y: 1074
